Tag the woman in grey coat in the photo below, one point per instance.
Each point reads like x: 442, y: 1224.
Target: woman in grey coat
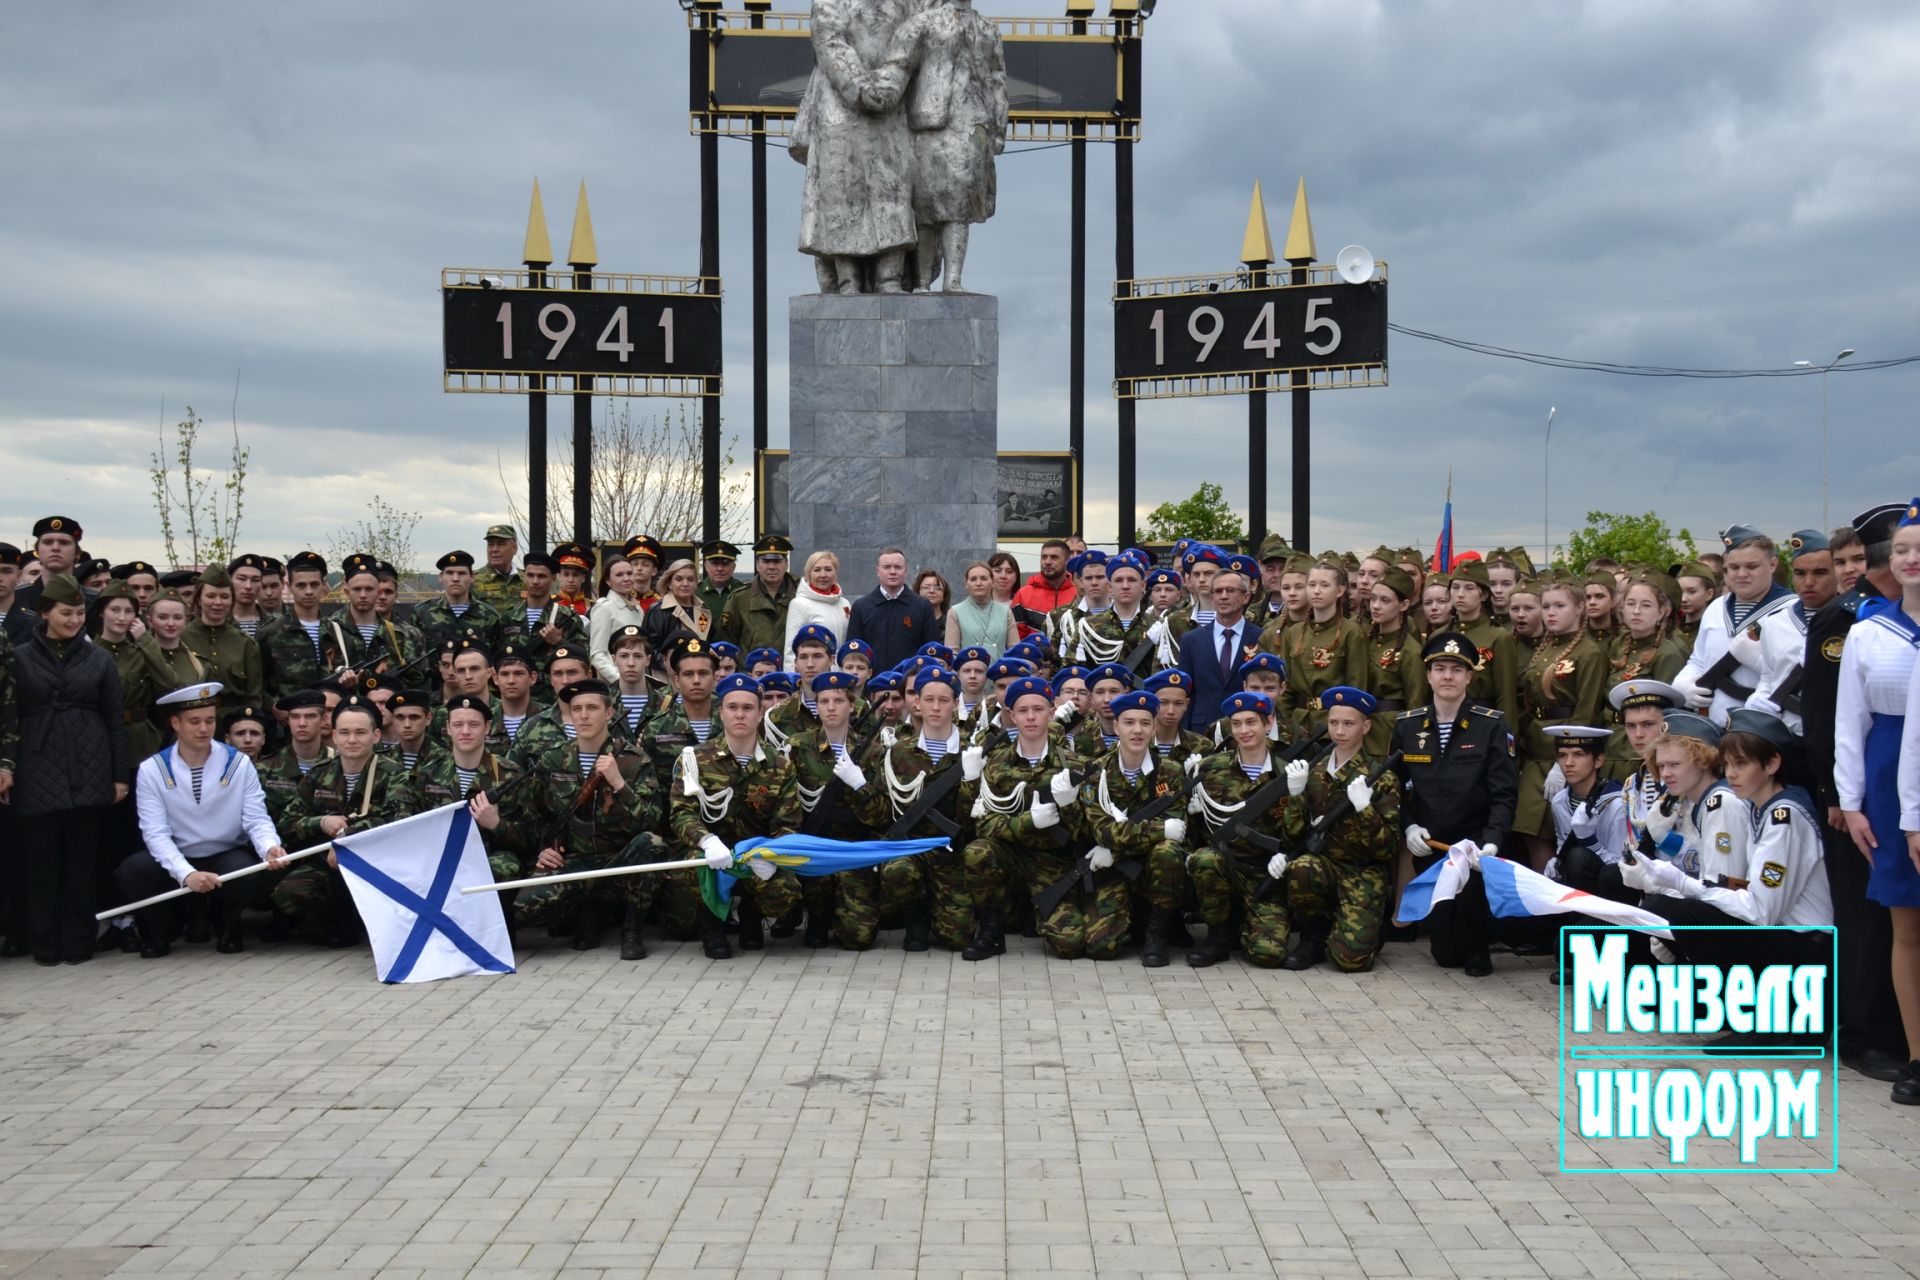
x: 71, y: 769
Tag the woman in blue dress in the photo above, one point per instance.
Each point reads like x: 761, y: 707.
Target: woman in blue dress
x: 1877, y: 669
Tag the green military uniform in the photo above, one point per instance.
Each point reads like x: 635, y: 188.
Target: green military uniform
x: 1089, y: 739
x: 1319, y: 655
x: 1397, y: 680
x: 609, y: 829
x: 1225, y: 882
x: 381, y: 794
x: 1182, y: 749
x: 897, y: 772
x: 1102, y: 637
x: 1008, y: 841
x: 227, y: 655
x: 293, y: 659
x: 280, y: 778
x: 731, y: 801
x: 1339, y: 895
x: 393, y: 645
x: 144, y: 676
x: 1660, y: 657
x: 514, y: 627
x: 668, y: 732
x: 542, y: 731
x: 1108, y: 798
x: 857, y: 901
x: 437, y: 622
x: 1496, y: 676
x: 717, y: 598
x: 753, y: 619
x: 1565, y: 682
x: 500, y: 590
x: 790, y: 717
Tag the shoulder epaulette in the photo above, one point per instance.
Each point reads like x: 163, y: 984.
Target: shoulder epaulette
x: 1494, y: 712
x: 1409, y: 715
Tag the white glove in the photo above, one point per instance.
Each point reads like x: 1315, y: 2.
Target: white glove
x: 1417, y: 842
x: 1556, y: 782
x: 1176, y: 830
x: 1065, y: 711
x: 1745, y: 649
x: 1193, y: 764
x: 1099, y: 857
x: 1764, y: 705
x: 1485, y: 851
x: 1660, y: 823
x: 1276, y: 866
x: 973, y: 762
x: 1468, y: 850
x: 1661, y: 951
x: 1297, y: 773
x: 850, y: 773
x: 1065, y: 794
x: 1698, y: 699
x: 1360, y: 791
x: 1552, y: 869
x: 1655, y: 875
x: 1158, y: 631
x: 1193, y: 801
x: 715, y: 851
x: 1045, y: 815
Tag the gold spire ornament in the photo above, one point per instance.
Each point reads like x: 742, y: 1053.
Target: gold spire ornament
x: 1299, y: 250
x: 1256, y: 247
x: 538, y: 251
x: 581, y: 251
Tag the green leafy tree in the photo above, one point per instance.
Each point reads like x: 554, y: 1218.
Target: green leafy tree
x: 199, y: 507
x: 1205, y: 515
x: 1629, y: 539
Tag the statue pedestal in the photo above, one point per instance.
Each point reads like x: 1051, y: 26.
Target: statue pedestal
x: 894, y: 417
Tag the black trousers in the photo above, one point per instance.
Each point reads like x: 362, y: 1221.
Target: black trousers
x: 1739, y: 943
x: 1458, y: 929
x: 139, y: 876
x: 59, y: 853
x: 1869, y: 1013
x: 13, y: 880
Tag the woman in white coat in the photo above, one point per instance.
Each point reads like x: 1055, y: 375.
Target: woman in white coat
x: 819, y: 599
x: 615, y: 609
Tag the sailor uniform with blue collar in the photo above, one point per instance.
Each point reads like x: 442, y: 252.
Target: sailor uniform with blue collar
x: 1877, y: 671
x: 180, y: 828
x: 1723, y: 620
x: 1783, y: 647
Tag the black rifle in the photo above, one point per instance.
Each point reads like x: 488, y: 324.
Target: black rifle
x: 1257, y: 804
x: 1321, y: 831
x: 1787, y: 696
x: 923, y: 809
x: 1719, y: 676
x: 1081, y: 873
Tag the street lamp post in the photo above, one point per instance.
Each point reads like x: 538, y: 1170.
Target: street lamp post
x: 1546, y: 494
x: 1826, y: 521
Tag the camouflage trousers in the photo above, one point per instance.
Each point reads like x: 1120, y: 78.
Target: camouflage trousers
x: 1221, y: 883
x: 1164, y: 883
x: 557, y: 903
x: 1346, y: 902
x: 310, y: 891
x: 1082, y: 926
x: 862, y: 899
x: 684, y: 911
x: 951, y: 883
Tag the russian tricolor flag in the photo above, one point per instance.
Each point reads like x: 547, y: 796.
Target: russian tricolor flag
x: 1514, y: 889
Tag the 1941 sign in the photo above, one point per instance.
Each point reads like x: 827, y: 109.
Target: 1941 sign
x: 658, y: 340
x: 1211, y: 335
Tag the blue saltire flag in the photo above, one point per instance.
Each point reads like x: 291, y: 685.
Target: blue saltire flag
x: 804, y: 856
x: 402, y: 876
x: 1514, y: 890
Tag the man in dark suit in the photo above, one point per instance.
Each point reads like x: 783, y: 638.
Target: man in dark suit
x: 894, y: 620
x: 1212, y: 653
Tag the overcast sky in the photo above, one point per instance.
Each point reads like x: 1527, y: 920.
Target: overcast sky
x: 199, y: 189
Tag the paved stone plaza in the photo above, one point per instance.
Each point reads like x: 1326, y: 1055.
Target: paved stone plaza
x: 802, y: 1114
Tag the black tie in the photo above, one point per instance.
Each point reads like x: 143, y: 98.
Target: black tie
x: 1226, y: 654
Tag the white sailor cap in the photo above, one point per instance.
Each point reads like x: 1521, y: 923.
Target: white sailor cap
x: 194, y: 695
x: 1645, y: 693
x: 1564, y: 733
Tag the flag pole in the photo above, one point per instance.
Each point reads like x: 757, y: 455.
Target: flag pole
x: 183, y: 891
x: 596, y: 874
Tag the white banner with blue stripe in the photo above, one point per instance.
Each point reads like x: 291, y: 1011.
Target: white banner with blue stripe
x: 402, y: 877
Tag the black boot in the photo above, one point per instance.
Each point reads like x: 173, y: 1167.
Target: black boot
x: 586, y: 928
x: 229, y: 941
x: 1153, y: 948
x: 785, y: 926
x: 751, y: 936
x: 1305, y: 951
x: 919, y: 929
x: 989, y: 937
x: 1479, y: 964
x: 153, y: 943
x: 1178, y: 935
x: 1215, y: 947
x: 632, y: 946
x: 819, y: 931
x: 713, y: 936
x: 278, y: 929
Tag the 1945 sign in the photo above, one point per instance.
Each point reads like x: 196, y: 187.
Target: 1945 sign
x: 668, y: 335
x: 1172, y: 338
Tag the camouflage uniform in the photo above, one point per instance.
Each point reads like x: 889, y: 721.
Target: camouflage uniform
x: 1009, y: 846
x: 610, y: 829
x: 1225, y: 883
x: 764, y: 801
x: 501, y: 590
x: 753, y: 619
x: 438, y: 623
x: 1184, y: 748
x: 667, y: 733
x: 292, y: 659
x: 944, y: 871
x: 1101, y: 637
x: 1340, y: 894
x: 856, y: 901
x: 513, y: 626
x: 233, y: 659
x: 1106, y: 800
x: 542, y: 731
x: 394, y: 645
x: 280, y: 778
x: 311, y: 889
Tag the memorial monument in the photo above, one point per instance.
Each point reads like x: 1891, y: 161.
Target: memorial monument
x: 894, y: 390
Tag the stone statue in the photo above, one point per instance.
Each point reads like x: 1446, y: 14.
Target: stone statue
x: 898, y: 129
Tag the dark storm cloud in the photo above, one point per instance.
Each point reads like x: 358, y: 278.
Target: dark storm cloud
x: 204, y: 188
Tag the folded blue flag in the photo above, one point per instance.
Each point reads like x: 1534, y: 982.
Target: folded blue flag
x: 804, y: 856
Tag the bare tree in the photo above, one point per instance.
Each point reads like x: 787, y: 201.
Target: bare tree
x: 202, y: 511
x: 646, y: 478
x: 385, y: 533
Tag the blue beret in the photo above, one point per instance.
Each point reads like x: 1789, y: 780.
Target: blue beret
x: 885, y: 682
x: 757, y: 656
x: 1246, y: 701
x: 1007, y: 668
x: 834, y: 680
x: 934, y: 649
x: 1171, y: 678
x: 1911, y: 516
x: 815, y: 633
x: 1141, y: 701
x: 1110, y: 671
x: 1345, y: 695
x: 1143, y: 555
x: 725, y: 649
x: 860, y: 647
x: 1127, y: 560
x: 1091, y: 556
x: 1264, y: 662
x: 1028, y: 687
x: 738, y: 682
x: 973, y: 653
x: 936, y: 675
x: 779, y: 682
x: 1244, y: 565
x: 1065, y: 674
x: 1205, y: 553
x: 1163, y: 577
x: 1181, y: 546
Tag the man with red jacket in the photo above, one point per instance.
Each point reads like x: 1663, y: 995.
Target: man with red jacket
x: 1050, y: 588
